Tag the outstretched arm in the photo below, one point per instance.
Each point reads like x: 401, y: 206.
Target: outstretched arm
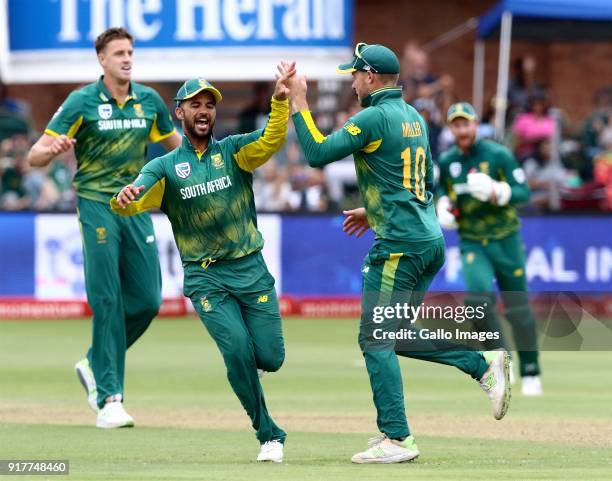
x: 320, y: 150
x: 256, y: 148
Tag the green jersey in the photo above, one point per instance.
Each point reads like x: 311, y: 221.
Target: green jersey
x: 111, y: 138
x: 483, y: 220
x: 388, y: 140
x: 208, y: 196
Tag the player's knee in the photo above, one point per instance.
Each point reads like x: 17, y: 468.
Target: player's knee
x: 150, y: 303
x: 104, y: 305
x: 272, y: 359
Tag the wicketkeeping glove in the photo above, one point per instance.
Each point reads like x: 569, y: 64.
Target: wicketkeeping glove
x: 445, y: 216
x: 485, y: 189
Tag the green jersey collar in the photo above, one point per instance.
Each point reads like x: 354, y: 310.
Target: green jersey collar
x: 381, y: 95
x: 188, y: 146
x: 106, y: 96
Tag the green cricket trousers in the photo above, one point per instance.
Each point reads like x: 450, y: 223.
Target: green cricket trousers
x: 390, y: 268
x: 123, y: 284
x: 237, y: 304
x: 504, y: 260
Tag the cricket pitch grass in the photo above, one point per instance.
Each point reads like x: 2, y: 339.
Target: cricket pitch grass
x: 190, y: 425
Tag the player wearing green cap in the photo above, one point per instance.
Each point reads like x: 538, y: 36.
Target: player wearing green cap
x: 480, y: 186
x: 109, y: 123
x: 388, y: 140
x: 205, y: 189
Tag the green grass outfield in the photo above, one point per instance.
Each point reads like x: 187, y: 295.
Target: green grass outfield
x: 190, y: 426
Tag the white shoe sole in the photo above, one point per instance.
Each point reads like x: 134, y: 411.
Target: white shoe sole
x: 508, y: 390
x: 92, y: 399
x: 270, y: 460
x: 398, y: 458
x: 125, y: 424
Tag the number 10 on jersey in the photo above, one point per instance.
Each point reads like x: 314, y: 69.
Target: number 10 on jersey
x: 414, y: 172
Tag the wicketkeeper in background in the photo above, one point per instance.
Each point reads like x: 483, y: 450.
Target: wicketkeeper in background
x: 480, y: 186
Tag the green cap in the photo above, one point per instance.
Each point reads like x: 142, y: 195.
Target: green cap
x: 193, y: 87
x: 461, y: 110
x: 374, y: 58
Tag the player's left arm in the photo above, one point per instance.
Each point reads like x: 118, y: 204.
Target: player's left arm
x: 511, y: 173
x: 162, y: 129
x: 256, y: 148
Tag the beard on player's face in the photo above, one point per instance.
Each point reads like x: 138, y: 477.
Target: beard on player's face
x: 199, y: 127
x: 465, y: 132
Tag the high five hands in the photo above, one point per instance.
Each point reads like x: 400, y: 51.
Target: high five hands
x: 290, y: 84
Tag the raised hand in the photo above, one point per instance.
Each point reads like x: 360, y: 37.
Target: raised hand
x: 61, y: 144
x: 128, y: 194
x: 286, y: 70
x: 355, y: 222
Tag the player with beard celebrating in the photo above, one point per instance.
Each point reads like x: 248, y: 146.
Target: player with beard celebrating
x: 205, y: 189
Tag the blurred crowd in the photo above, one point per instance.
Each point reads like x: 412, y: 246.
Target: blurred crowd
x: 567, y: 167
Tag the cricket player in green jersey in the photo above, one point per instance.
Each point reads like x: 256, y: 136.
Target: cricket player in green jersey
x: 109, y: 123
x: 388, y: 140
x: 480, y: 186
x: 205, y: 188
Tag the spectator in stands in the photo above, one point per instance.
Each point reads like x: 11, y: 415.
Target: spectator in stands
x: 340, y: 175
x: 255, y: 115
x: 602, y: 168
x: 13, y: 115
x: 534, y: 126
x: 544, y: 176
x: 522, y: 85
x: 271, y: 188
x: 430, y: 113
x: 420, y: 82
x: 13, y: 167
x: 307, y: 183
x: 597, y: 122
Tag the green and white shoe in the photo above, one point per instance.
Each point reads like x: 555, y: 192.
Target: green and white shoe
x: 496, y: 381
x: 88, y: 381
x: 382, y: 450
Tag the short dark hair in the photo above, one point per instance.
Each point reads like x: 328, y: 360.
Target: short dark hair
x: 110, y: 34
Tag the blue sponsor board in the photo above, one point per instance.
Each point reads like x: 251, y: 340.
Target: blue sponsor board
x: 318, y: 259
x: 17, y: 254
x: 74, y: 24
x: 563, y: 254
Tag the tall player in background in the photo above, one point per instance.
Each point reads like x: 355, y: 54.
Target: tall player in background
x: 388, y: 140
x: 481, y: 181
x: 109, y: 123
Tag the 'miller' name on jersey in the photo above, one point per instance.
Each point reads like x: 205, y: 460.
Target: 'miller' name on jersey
x: 114, y: 124
x: 411, y: 129
x: 205, y: 187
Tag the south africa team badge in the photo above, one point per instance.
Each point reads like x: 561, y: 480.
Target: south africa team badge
x: 105, y: 111
x: 183, y: 170
x: 217, y: 161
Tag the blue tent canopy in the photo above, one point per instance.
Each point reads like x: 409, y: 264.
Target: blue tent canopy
x: 548, y: 20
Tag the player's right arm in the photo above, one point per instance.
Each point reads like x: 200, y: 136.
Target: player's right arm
x: 59, y: 134
x: 145, y: 193
x: 320, y: 150
x: 444, y: 205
